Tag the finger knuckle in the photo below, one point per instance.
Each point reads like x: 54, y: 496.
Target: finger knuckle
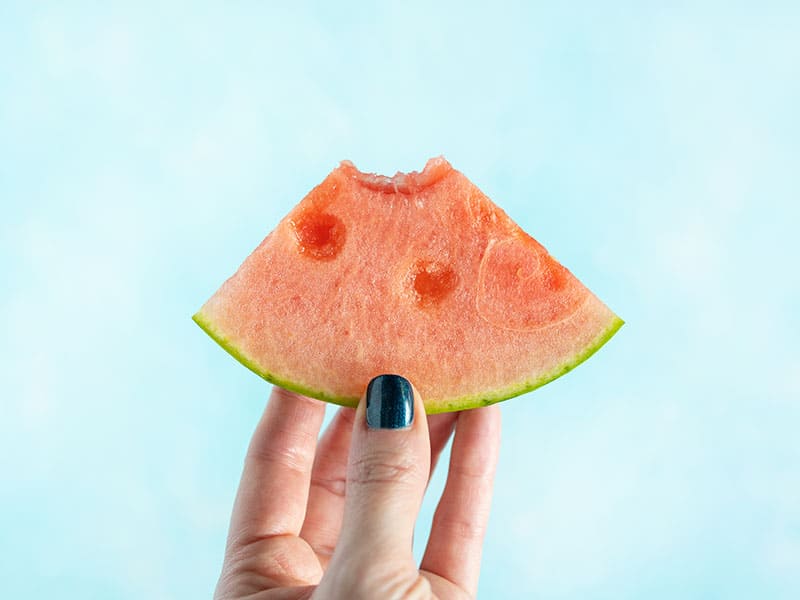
x: 380, y: 468
x: 334, y: 485
x: 461, y: 528
x: 291, y: 456
x: 272, y: 560
x: 477, y: 473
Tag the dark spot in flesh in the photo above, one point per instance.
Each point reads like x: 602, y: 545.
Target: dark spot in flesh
x: 319, y: 235
x: 431, y: 282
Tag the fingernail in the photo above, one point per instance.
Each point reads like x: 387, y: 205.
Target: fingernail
x: 390, y: 402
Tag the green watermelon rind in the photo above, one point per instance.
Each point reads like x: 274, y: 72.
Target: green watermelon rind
x: 432, y: 406
x: 517, y: 389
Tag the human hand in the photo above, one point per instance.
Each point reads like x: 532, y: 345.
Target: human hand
x: 334, y: 518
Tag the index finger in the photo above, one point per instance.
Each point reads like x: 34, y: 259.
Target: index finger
x: 273, y: 490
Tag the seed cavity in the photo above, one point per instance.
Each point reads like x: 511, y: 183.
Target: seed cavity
x: 319, y: 235
x: 431, y: 282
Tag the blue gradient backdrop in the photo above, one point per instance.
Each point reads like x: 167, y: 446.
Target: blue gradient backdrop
x: 146, y: 149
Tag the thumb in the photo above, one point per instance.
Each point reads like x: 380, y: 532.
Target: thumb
x: 387, y: 472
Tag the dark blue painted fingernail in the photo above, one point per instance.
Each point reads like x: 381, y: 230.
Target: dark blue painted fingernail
x: 390, y: 402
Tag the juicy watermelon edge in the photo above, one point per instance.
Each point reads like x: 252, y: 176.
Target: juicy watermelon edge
x: 431, y: 406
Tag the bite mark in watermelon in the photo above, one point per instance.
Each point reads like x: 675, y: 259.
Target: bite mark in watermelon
x: 418, y: 274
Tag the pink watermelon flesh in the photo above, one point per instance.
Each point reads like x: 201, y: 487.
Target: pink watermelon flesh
x: 418, y: 274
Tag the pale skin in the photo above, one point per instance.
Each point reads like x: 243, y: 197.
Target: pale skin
x: 332, y: 516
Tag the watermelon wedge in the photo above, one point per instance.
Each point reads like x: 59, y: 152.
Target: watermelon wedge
x: 418, y: 274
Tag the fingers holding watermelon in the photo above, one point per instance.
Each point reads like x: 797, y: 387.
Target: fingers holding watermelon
x: 420, y: 274
x: 335, y: 518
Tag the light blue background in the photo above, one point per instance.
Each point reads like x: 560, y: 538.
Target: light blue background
x: 146, y: 150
